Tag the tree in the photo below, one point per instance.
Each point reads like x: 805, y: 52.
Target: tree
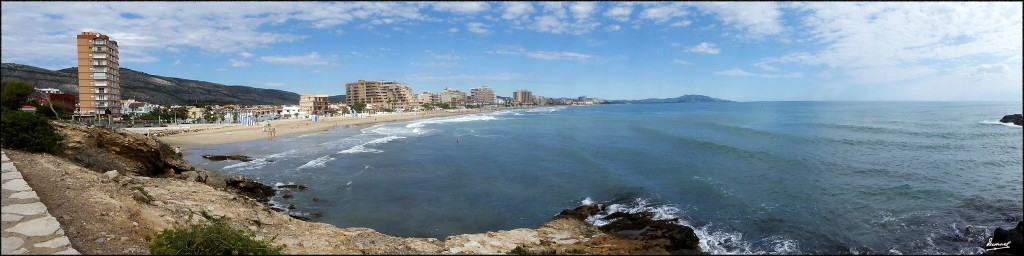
x: 13, y: 94
x: 444, y: 105
x: 358, y: 107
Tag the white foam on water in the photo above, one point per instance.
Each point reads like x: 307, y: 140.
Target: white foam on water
x: 587, y: 201
x: 545, y: 109
x: 1001, y: 123
x: 316, y: 163
x: 258, y: 162
x: 361, y: 148
x: 456, y: 119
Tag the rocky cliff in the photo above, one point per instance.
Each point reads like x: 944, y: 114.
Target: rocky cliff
x: 152, y: 88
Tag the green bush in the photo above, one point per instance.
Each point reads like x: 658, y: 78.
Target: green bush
x: 28, y: 131
x: 216, y: 237
x: 13, y: 94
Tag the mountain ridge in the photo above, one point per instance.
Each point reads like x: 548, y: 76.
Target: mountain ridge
x: 154, y: 89
x: 688, y: 98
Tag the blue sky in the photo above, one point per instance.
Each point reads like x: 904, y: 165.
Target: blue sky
x: 610, y: 50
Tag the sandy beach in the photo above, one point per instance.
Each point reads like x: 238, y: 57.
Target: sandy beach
x: 234, y: 133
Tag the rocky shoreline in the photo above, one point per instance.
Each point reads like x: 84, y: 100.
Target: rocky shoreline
x: 127, y: 186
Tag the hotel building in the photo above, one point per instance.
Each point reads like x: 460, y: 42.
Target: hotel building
x: 393, y: 95
x: 99, y: 83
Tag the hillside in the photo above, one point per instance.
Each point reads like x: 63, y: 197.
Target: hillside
x: 680, y: 99
x: 153, y: 88
x: 336, y: 99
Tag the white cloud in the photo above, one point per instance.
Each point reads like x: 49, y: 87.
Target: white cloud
x: 433, y: 64
x: 612, y: 28
x: 245, y: 54
x: 681, y: 23
x: 221, y: 70
x: 312, y: 59
x: 462, y: 7
x: 517, y: 10
x: 757, y: 18
x: 545, y: 55
x: 765, y: 66
x: 705, y: 48
x: 620, y: 12
x: 176, y: 62
x: 480, y: 77
x: 477, y: 27
x: 453, y: 30
x: 583, y: 10
x: 447, y: 57
x: 734, y: 72
x: 681, y: 62
x: 740, y: 72
x: 663, y: 13
x: 890, y: 42
x: 238, y: 63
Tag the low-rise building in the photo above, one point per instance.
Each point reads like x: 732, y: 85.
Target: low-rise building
x: 315, y: 104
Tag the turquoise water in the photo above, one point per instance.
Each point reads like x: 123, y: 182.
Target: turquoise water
x: 759, y: 177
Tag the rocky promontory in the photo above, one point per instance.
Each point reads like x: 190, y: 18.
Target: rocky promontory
x: 1017, y: 119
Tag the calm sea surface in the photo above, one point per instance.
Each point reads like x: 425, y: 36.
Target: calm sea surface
x: 759, y: 177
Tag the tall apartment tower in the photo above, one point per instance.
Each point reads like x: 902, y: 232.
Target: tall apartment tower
x: 482, y: 95
x: 523, y: 97
x: 99, y: 83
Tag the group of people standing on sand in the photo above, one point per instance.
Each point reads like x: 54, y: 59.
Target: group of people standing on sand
x: 271, y: 131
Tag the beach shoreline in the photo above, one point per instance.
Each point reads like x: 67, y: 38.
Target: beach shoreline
x: 236, y: 133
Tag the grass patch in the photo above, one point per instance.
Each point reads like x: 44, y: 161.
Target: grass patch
x: 144, y: 192
x: 215, y: 237
x: 575, y: 251
x: 519, y: 250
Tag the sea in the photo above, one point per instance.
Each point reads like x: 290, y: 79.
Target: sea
x: 749, y: 177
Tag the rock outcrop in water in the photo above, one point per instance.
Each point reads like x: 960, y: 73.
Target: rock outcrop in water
x: 1006, y: 242
x: 249, y: 187
x: 1017, y: 119
x: 645, y: 234
x: 217, y: 158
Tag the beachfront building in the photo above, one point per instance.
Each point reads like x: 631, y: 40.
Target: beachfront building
x: 390, y: 95
x: 132, y: 107
x: 540, y: 100
x: 292, y: 112
x: 522, y: 97
x: 99, y: 84
x: 314, y: 104
x: 482, y: 95
x: 452, y: 97
x: 425, y: 98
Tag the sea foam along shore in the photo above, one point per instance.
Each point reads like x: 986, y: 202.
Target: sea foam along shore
x: 234, y: 133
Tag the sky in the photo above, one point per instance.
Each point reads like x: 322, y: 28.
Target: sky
x: 611, y: 50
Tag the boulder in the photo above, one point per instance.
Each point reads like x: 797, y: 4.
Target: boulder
x: 249, y: 187
x: 216, y: 158
x: 1006, y: 242
x: 111, y: 175
x: 1017, y: 119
